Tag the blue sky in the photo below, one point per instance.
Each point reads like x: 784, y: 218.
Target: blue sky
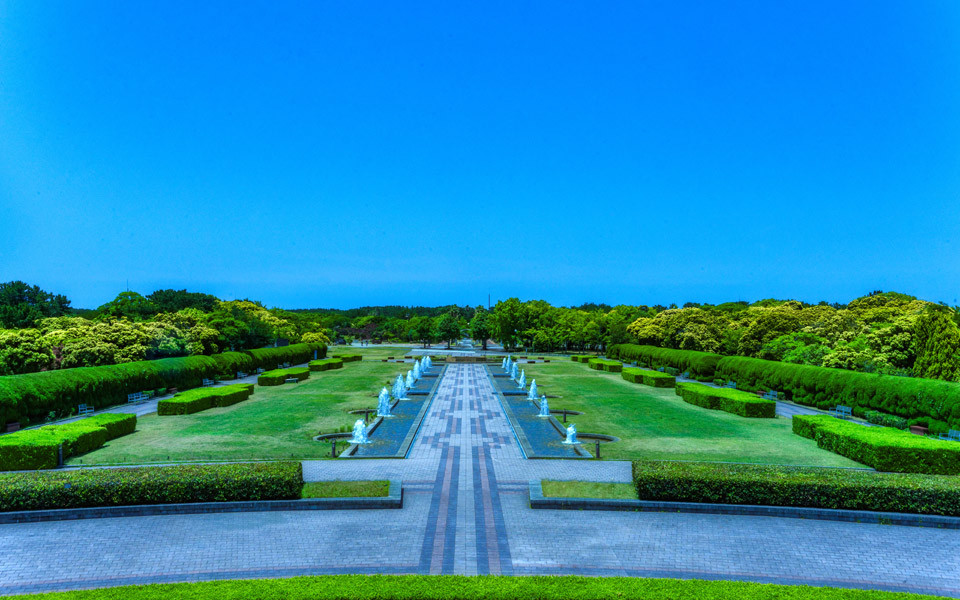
x: 353, y: 153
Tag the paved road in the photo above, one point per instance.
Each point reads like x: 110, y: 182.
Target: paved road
x: 465, y: 511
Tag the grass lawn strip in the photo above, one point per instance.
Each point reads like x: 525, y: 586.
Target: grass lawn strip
x: 346, y: 489
x: 589, y: 489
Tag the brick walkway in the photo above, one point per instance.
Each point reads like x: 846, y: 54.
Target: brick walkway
x: 465, y: 511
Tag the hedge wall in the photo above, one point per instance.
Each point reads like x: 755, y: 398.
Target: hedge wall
x: 38, y: 448
x: 928, y: 401
x: 32, y: 396
x: 733, y: 401
x: 279, y: 376
x: 150, y: 485
x: 797, y: 486
x: 701, y: 365
x: 648, y: 377
x: 883, y: 448
x: 325, y: 364
x: 199, y: 399
x: 600, y: 364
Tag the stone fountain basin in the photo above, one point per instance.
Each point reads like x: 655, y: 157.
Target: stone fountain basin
x: 333, y: 436
x: 597, y: 437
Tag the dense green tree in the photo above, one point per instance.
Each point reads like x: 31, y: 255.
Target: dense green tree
x: 22, y: 305
x: 23, y: 351
x: 129, y: 305
x: 480, y: 326
x: 937, y: 346
x: 171, y: 301
x: 448, y: 328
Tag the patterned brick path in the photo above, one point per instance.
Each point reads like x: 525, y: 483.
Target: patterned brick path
x: 465, y: 511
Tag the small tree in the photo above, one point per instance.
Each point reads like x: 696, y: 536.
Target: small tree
x: 480, y: 326
x: 448, y: 328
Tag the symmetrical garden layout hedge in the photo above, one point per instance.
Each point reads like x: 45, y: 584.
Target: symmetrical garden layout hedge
x: 737, y: 402
x: 700, y: 365
x: 280, y: 376
x: 581, y: 358
x: 199, y: 399
x: 151, y: 485
x: 39, y: 448
x: 325, y: 364
x: 850, y: 489
x: 883, y: 448
x: 33, y: 396
x: 348, y: 357
x: 601, y: 364
x: 648, y: 377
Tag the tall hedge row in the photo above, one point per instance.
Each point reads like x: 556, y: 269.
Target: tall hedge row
x: 934, y: 402
x: 32, y: 396
x: 702, y: 365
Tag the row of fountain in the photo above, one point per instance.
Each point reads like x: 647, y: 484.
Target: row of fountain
x: 519, y: 375
x: 399, y: 392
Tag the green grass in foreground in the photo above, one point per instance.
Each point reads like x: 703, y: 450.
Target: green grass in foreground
x: 275, y: 423
x: 656, y: 424
x: 589, y: 489
x: 449, y: 587
x: 345, y: 489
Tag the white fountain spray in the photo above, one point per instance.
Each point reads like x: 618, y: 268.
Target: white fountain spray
x: 359, y: 433
x: 383, y: 404
x: 571, y: 435
x: 544, y: 407
x: 533, y: 390
x: 522, y: 382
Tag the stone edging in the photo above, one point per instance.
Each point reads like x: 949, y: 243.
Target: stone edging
x: 537, y: 500
x: 394, y: 499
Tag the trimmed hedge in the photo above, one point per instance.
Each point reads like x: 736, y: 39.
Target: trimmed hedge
x: 813, y: 487
x: 279, y: 376
x: 32, y: 396
x: 193, y: 401
x: 581, y: 358
x: 150, y: 485
x: 701, y: 365
x: 924, y: 401
x: 601, y: 364
x: 728, y: 400
x: 883, y: 448
x: 325, y: 364
x: 348, y: 357
x: 647, y: 377
x: 39, y: 448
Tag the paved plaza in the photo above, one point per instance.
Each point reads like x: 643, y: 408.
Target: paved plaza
x: 466, y: 512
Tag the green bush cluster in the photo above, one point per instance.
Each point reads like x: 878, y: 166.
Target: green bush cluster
x: 729, y: 400
x: 701, y: 365
x: 930, y: 402
x: 348, y: 357
x: 199, y: 399
x: 325, y: 364
x: 581, y: 358
x: 771, y: 485
x: 602, y: 364
x: 279, y: 376
x: 880, y: 418
x: 150, y: 485
x: 32, y: 396
x: 32, y: 449
x: 647, y: 377
x: 883, y: 448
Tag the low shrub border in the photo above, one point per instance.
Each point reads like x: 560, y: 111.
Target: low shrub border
x: 581, y: 358
x: 39, y: 448
x: 150, y: 485
x: 196, y: 400
x: 849, y: 489
x: 883, y: 448
x: 455, y: 587
x: 647, y: 377
x: 728, y: 400
x: 348, y: 357
x: 279, y: 376
x: 701, y: 365
x: 325, y: 364
x: 602, y: 364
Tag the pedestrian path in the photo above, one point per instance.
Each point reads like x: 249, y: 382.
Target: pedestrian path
x: 466, y: 511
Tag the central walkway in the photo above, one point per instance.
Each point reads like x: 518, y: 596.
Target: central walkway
x: 466, y: 511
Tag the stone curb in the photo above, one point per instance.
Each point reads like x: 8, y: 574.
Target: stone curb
x: 394, y: 499
x: 537, y: 500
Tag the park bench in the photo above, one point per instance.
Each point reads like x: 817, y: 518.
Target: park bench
x: 85, y: 409
x: 260, y: 370
x: 241, y: 374
x: 686, y: 375
x: 286, y: 365
x: 730, y: 384
x: 953, y: 436
x: 841, y: 412
x: 291, y: 380
x: 771, y: 395
x: 661, y: 369
x: 137, y: 397
x: 207, y: 382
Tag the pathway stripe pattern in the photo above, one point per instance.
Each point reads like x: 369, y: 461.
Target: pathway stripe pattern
x: 466, y: 512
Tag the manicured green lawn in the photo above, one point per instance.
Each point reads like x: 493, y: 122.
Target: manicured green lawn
x: 275, y: 423
x: 588, y: 489
x: 345, y: 489
x: 449, y: 587
x: 655, y: 424
x: 373, y: 351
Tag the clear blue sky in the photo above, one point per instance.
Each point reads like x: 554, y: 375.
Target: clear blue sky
x: 352, y: 153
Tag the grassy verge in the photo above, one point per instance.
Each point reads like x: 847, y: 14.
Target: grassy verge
x: 448, y: 587
x: 276, y: 423
x: 346, y: 489
x: 589, y: 489
x: 656, y: 424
